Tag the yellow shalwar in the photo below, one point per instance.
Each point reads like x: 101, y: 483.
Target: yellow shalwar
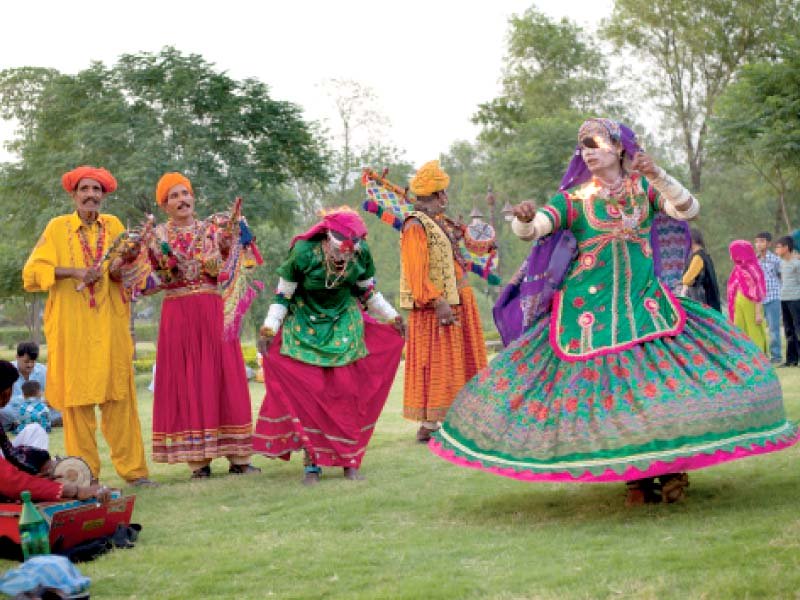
x: 89, y: 348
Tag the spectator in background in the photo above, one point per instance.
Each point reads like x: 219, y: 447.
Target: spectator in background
x: 790, y: 298
x: 771, y: 266
x: 700, y: 279
x: 746, y: 293
x: 31, y: 371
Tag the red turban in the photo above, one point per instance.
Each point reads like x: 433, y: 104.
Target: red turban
x: 70, y: 180
x: 167, y: 182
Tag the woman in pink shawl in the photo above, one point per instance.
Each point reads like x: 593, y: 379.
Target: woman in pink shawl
x: 746, y: 291
x: 329, y: 369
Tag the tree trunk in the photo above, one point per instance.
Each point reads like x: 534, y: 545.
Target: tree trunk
x: 784, y: 212
x: 32, y: 321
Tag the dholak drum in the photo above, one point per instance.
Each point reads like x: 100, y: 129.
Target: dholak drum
x: 73, y: 470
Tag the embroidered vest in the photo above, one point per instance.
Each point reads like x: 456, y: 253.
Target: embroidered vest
x: 441, y: 270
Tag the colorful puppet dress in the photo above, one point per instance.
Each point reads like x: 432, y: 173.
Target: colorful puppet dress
x: 621, y: 380
x: 201, y: 402
x: 329, y: 369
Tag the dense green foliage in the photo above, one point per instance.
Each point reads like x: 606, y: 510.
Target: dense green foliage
x: 713, y: 71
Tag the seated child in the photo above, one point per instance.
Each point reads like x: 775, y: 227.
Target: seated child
x: 32, y: 409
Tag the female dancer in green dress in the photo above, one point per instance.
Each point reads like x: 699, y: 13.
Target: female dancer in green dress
x: 620, y: 381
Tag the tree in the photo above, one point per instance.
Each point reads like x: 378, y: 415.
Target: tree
x: 758, y: 123
x: 358, y: 116
x: 551, y: 68
x: 147, y: 114
x: 696, y: 47
x: 555, y: 75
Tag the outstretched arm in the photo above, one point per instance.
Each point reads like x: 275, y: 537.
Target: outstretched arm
x: 678, y: 201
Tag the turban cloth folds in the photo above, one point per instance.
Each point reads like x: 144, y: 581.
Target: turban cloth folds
x: 429, y: 179
x: 71, y: 179
x: 169, y: 181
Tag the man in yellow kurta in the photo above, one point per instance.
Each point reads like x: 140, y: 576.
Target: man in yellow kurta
x: 86, y: 323
x: 445, y: 346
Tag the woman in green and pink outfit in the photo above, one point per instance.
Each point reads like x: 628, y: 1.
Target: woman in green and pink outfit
x: 620, y: 381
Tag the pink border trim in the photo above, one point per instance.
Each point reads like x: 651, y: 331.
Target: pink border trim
x: 555, y: 320
x: 690, y: 463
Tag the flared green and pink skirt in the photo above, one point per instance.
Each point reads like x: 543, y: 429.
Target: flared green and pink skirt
x: 702, y: 397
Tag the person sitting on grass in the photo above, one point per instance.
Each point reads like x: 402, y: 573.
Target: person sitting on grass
x: 28, y: 467
x: 33, y: 408
x: 31, y: 370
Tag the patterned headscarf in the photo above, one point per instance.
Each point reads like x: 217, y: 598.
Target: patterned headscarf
x: 577, y: 171
x: 343, y: 220
x: 747, y: 276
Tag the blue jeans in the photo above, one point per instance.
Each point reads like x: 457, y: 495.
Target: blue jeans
x: 772, y: 312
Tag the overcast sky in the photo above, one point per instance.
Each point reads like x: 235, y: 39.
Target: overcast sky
x: 430, y: 63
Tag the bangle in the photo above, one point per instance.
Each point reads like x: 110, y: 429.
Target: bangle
x: 266, y: 332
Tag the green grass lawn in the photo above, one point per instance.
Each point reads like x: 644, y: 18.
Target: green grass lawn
x: 419, y: 527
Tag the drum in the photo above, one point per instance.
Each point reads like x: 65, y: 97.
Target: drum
x: 72, y: 470
x: 479, y: 238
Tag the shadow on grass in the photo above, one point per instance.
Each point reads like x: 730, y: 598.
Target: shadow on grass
x: 710, y: 495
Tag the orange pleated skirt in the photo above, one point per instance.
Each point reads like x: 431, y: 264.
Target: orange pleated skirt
x: 441, y: 359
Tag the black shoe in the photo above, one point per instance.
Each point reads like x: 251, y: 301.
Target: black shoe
x: 786, y: 364
x: 243, y: 469
x: 202, y: 472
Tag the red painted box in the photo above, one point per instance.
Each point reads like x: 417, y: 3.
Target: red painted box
x: 71, y: 523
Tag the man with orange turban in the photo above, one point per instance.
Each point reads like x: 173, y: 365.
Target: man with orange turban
x: 445, y: 338
x: 86, y: 323
x: 201, y: 400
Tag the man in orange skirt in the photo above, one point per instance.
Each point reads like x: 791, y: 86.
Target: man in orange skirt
x: 445, y: 339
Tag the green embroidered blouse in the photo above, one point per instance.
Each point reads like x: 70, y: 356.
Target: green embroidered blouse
x: 324, y: 326
x: 611, y: 298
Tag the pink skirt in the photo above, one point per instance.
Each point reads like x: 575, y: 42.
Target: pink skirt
x: 328, y: 411
x: 201, y: 405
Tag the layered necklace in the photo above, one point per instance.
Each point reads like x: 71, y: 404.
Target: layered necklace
x: 334, y: 272
x: 454, y: 234
x: 91, y: 257
x: 618, y: 196
x: 187, y: 242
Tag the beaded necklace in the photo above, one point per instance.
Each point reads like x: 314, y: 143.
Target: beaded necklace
x: 619, y: 195
x: 187, y: 242
x: 91, y: 260
x: 332, y: 269
x: 453, y: 234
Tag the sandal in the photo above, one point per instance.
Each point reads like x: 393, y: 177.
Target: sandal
x: 642, y: 491
x: 243, y: 469
x: 424, y: 434
x: 673, y: 487
x: 202, y: 472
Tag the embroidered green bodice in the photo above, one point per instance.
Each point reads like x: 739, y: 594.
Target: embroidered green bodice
x: 611, y: 298
x: 324, y: 326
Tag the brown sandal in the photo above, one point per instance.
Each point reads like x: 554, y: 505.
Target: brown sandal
x: 673, y: 487
x: 424, y: 434
x: 642, y: 491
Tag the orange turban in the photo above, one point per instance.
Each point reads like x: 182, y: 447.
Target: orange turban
x: 70, y: 180
x: 429, y: 179
x: 167, y: 182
